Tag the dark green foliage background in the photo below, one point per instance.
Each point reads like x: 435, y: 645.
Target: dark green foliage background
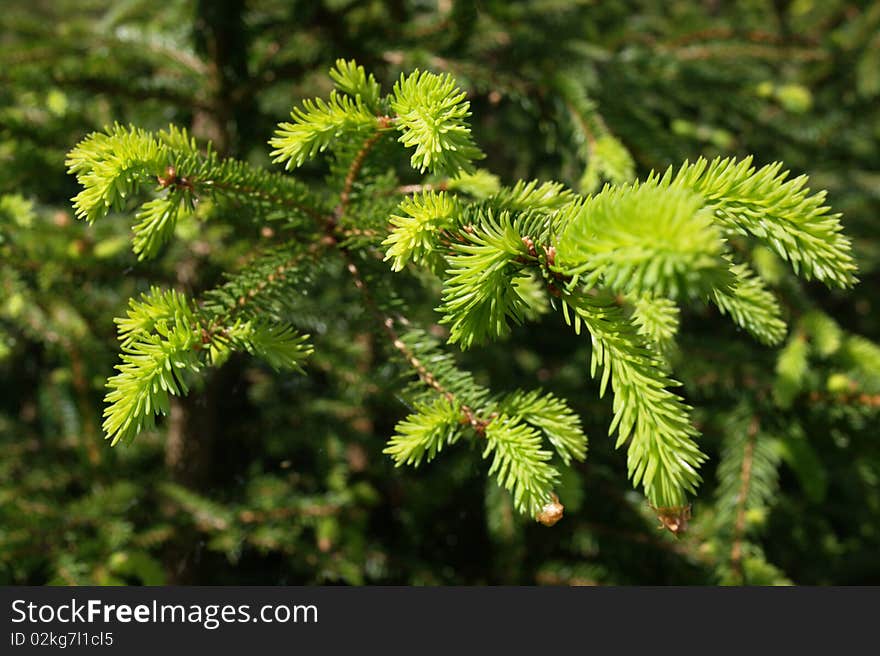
x: 266, y: 478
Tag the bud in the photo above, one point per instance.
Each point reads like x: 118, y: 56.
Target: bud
x: 551, y: 512
x: 674, y: 519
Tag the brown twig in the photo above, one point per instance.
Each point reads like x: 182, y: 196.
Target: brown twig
x: 479, y: 424
x: 357, y: 163
x: 387, y: 323
x: 742, y: 497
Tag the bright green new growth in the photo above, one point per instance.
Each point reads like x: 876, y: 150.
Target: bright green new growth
x: 605, y: 241
x: 423, y: 434
x: 551, y: 415
x: 163, y: 338
x: 480, y: 294
x: 779, y: 212
x: 520, y: 464
x: 317, y: 125
x: 157, y: 340
x: 353, y: 80
x: 432, y: 115
x: 115, y: 165
x: 415, y: 229
x: 662, y: 453
x: 617, y: 263
x: 751, y: 305
x: 110, y: 166
x: 511, y: 428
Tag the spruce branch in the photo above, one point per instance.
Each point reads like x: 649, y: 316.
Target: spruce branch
x: 113, y: 166
x: 154, y: 362
x: 520, y: 465
x: 751, y: 305
x: 617, y: 262
x: 110, y: 165
x: 662, y: 454
x: 431, y: 114
x: 352, y: 79
x: 480, y: 294
x: 551, y: 415
x: 280, y: 346
x: 318, y: 125
x: 643, y: 239
x: 423, y: 433
x: 779, y: 211
x: 415, y: 230
x: 265, y: 286
x: 518, y: 462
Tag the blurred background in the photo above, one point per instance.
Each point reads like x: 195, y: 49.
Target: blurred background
x: 265, y: 478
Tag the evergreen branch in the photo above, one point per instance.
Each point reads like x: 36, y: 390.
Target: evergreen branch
x: 518, y: 461
x: 425, y: 375
x: 112, y: 166
x: 153, y: 364
x: 264, y: 288
x: 353, y: 80
x: 424, y: 433
x: 280, y: 346
x: 238, y: 182
x: 479, y: 295
x: 642, y: 239
x: 386, y: 322
x: 550, y: 415
x: 779, y: 212
x: 431, y: 116
x: 415, y: 231
x: 520, y: 465
x: 438, y: 372
x: 318, y: 125
x: 662, y: 454
x: 145, y: 315
x: 751, y: 305
x: 156, y: 221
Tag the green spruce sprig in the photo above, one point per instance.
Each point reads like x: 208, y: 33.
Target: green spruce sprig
x: 619, y: 264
